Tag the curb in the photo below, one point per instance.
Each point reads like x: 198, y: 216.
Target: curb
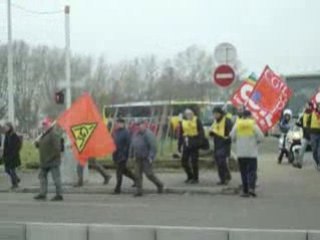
x: 171, y: 190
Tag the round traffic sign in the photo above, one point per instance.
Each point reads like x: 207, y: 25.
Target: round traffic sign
x: 225, y: 53
x: 224, y: 75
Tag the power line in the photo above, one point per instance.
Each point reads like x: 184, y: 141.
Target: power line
x: 36, y: 12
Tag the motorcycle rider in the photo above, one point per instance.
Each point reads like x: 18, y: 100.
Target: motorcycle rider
x: 285, y: 125
x: 304, y: 124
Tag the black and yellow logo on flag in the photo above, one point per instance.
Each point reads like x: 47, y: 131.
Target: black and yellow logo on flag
x: 82, y: 134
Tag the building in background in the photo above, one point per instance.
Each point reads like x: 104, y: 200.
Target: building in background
x: 304, y: 86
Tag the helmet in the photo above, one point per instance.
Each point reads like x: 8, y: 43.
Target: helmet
x: 287, y: 112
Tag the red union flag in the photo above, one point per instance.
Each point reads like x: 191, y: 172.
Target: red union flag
x: 316, y: 97
x: 268, y: 99
x: 242, y: 94
x: 86, y: 130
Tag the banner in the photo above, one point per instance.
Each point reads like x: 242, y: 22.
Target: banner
x: 268, y: 99
x: 316, y: 98
x: 243, y: 93
x: 85, y: 128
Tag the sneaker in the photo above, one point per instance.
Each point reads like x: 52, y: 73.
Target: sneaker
x: 138, y: 195
x: 78, y: 184
x: 40, y: 197
x: 57, y: 198
x: 160, y: 189
x: 244, y: 195
x: 106, y: 180
x: 252, y: 193
x: 116, y: 191
x: 194, y: 181
x: 221, y: 183
x: 297, y: 165
x: 188, y: 181
x: 14, y: 187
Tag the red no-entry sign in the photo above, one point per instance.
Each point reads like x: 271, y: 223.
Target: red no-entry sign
x: 224, y: 75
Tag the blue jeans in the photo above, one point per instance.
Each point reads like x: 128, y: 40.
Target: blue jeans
x: 315, y: 145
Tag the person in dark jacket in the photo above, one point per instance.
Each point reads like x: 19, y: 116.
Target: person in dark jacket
x: 121, y: 138
x: 220, y: 131
x: 191, y: 135
x: 144, y: 145
x: 11, y: 154
x: 49, y: 146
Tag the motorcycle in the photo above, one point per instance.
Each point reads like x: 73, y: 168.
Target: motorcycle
x: 292, y: 143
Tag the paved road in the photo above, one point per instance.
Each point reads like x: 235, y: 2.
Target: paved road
x: 288, y: 198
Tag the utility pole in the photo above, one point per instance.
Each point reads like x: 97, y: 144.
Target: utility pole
x: 67, y: 56
x: 10, y: 69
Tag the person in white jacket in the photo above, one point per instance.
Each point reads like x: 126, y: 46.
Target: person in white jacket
x: 247, y: 135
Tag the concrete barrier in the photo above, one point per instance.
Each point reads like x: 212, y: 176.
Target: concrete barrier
x: 259, y: 234
x: 39, y: 231
x: 12, y: 231
x: 52, y: 231
x: 191, y: 234
x: 110, y: 232
x: 313, y: 235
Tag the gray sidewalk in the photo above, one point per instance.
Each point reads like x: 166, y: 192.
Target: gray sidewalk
x: 173, y: 181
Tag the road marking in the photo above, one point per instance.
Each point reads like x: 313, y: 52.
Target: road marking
x: 74, y: 204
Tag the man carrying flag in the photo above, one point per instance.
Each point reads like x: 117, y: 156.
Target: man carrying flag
x: 49, y: 146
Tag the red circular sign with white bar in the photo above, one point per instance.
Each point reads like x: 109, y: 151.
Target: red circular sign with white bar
x: 224, y: 75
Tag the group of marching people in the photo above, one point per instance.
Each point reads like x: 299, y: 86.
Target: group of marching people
x: 142, y: 146
x: 243, y: 132
x: 309, y: 121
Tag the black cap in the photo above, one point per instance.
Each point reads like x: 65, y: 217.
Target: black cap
x: 246, y: 113
x: 218, y: 110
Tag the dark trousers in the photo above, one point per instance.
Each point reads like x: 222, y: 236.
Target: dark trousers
x: 56, y: 177
x: 315, y: 145
x: 13, y: 176
x: 95, y: 165
x: 283, y: 152
x: 145, y: 166
x: 223, y: 170
x: 122, y: 170
x: 190, y: 163
x: 248, y: 170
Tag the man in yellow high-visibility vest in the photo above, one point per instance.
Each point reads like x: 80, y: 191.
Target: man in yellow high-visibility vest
x: 304, y: 123
x: 247, y: 135
x: 314, y: 121
x: 220, y: 131
x: 191, y: 137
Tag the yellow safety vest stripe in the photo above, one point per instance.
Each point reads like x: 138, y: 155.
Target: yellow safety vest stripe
x: 245, y: 127
x: 190, y: 128
x: 305, y: 119
x: 315, y: 121
x: 219, y: 128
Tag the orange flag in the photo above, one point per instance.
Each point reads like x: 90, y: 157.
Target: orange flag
x: 85, y: 128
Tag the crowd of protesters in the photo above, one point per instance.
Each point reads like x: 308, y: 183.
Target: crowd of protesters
x: 141, y: 145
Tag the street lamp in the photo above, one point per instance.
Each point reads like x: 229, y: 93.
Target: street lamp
x: 10, y: 69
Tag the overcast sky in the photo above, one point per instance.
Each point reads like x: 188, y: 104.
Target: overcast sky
x: 282, y: 33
